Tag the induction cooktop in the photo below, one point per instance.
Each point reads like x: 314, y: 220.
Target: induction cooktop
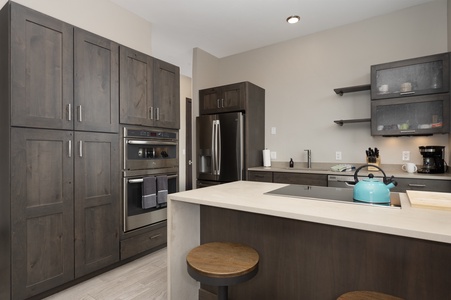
x: 344, y: 195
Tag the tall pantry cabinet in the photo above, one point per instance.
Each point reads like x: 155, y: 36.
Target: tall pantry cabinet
x: 59, y: 159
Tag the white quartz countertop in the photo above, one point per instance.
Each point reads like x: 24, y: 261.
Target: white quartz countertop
x: 249, y: 196
x: 392, y: 170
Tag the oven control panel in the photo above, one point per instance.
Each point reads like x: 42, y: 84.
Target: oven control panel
x: 140, y: 133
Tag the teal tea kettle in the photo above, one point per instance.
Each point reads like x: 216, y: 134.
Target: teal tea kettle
x: 371, y: 190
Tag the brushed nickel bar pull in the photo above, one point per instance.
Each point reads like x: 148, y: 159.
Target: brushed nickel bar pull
x: 408, y: 131
x: 69, y: 112
x: 81, y: 149
x: 80, y: 118
x: 407, y: 93
x: 151, y: 112
x: 70, y: 148
x: 417, y: 185
x: 155, y: 236
x: 140, y: 180
x: 222, y: 103
x: 217, y: 103
x: 158, y: 114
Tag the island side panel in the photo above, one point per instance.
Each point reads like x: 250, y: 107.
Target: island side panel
x: 303, y: 260
x: 183, y: 235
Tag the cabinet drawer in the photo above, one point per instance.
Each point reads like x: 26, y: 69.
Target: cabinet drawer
x: 143, y: 242
x: 429, y: 185
x: 260, y: 176
x: 300, y: 178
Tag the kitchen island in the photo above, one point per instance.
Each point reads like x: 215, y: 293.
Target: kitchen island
x: 312, y: 249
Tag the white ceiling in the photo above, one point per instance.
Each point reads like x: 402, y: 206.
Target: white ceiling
x: 227, y: 27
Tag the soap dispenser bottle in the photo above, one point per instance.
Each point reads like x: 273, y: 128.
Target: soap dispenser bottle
x: 291, y: 163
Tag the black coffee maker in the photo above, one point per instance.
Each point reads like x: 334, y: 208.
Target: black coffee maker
x: 433, y: 159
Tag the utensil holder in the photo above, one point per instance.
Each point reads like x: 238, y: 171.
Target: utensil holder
x: 377, y: 163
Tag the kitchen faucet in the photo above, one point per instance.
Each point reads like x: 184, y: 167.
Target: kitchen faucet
x: 309, y: 158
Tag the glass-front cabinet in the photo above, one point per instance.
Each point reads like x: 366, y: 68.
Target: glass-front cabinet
x: 422, y: 115
x: 411, y: 77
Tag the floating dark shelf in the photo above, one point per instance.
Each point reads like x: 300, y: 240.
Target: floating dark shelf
x: 341, y: 122
x: 350, y: 89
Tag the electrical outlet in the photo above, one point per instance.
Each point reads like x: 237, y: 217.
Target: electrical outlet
x: 338, y: 155
x: 405, y: 155
x: 273, y: 155
x: 273, y: 130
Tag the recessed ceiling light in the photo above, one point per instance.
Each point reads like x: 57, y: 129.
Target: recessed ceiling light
x: 293, y: 19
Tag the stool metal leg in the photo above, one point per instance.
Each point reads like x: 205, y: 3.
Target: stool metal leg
x: 223, y: 293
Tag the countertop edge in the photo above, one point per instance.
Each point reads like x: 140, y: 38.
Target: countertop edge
x: 420, y: 223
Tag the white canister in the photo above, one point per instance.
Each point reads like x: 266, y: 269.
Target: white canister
x: 266, y: 158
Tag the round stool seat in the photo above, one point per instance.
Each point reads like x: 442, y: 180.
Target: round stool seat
x: 366, y: 295
x: 222, y: 264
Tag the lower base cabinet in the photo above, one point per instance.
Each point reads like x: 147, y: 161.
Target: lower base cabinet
x: 65, y: 209
x: 145, y: 241
x: 288, y: 177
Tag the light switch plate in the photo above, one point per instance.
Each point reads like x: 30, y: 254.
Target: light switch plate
x: 273, y: 155
x: 273, y: 130
x: 406, y: 155
x: 338, y: 155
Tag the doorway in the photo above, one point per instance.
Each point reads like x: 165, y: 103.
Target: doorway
x: 189, y: 145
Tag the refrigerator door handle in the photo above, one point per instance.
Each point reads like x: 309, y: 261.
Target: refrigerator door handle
x: 213, y: 147
x: 219, y: 147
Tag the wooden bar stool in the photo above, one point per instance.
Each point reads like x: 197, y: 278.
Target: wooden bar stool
x: 222, y: 264
x: 366, y: 295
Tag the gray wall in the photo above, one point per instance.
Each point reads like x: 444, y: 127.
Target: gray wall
x: 299, y: 77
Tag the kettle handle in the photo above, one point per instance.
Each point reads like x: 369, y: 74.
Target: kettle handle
x: 361, y: 167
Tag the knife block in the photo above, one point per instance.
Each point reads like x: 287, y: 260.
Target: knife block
x: 377, y: 163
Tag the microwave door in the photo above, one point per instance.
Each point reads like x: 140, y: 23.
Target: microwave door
x: 206, y: 146
x: 230, y: 143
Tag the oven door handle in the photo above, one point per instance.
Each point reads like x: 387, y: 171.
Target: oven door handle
x: 140, y: 180
x: 141, y: 142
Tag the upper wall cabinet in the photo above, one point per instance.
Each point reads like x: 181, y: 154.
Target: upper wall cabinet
x: 61, y: 77
x: 149, y: 90
x: 411, y: 77
x: 96, y: 83
x: 221, y: 99
x: 166, y: 94
x: 41, y: 70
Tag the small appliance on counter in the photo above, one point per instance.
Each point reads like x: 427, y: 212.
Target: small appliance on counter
x: 433, y: 160
x: 371, y: 190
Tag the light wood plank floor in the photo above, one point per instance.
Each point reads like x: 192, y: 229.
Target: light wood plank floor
x: 144, y: 278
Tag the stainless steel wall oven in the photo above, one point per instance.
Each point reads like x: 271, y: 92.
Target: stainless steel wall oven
x: 149, y: 155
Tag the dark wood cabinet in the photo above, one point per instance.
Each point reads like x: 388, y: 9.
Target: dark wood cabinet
x: 260, y: 176
x: 136, y: 96
x: 140, y: 241
x: 421, y: 115
x: 53, y: 226
x: 221, y: 99
x: 289, y: 177
x: 149, y: 90
x: 411, y: 77
x: 404, y: 184
x: 61, y: 77
x: 41, y: 69
x: 96, y: 83
x: 166, y: 94
x: 41, y: 210
x: 300, y: 178
x: 97, y: 207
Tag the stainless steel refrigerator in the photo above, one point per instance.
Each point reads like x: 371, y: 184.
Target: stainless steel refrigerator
x: 220, y: 148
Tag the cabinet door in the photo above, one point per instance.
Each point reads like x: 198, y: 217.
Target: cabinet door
x: 97, y: 207
x: 41, y: 70
x: 41, y: 210
x: 136, y: 95
x: 421, y: 115
x: 411, y: 77
x: 260, y: 176
x: 96, y: 83
x: 209, y: 101
x: 233, y: 97
x: 166, y: 94
x: 299, y: 178
x: 227, y: 98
